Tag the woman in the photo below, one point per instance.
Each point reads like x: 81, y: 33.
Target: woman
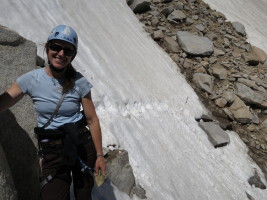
x: 65, y: 142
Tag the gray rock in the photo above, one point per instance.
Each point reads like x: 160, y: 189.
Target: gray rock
x: 17, y: 123
x: 139, y: 191
x: 7, y: 187
x: 240, y: 112
x: 223, y: 120
x: 263, y: 126
x: 188, y: 63
x: 256, y: 181
x: 226, y: 42
x: 179, y: 5
x: 229, y: 96
x: 157, y: 35
x: 218, y: 52
x: 219, y: 72
x: 176, y: 16
x: 200, y: 27
x: 212, y: 36
x: 120, y: 172
x: 258, y: 81
x: 220, y: 102
x: 175, y: 58
x: 195, y: 45
x: 195, y: 17
x: 204, y: 118
x: 189, y: 21
x: 154, y: 21
x: 228, y: 113
x: 9, y: 37
x: 140, y: 6
x: 239, y: 28
x: 250, y: 96
x: 255, y: 118
x: 251, y: 59
x: 167, y: 11
x: 259, y: 53
x: 213, y: 60
x: 204, y: 82
x: 217, y: 136
x: 247, y: 82
x: 171, y: 45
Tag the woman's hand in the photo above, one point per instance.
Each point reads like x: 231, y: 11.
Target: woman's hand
x: 100, y: 164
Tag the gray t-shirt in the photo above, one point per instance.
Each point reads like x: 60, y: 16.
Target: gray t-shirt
x: 46, y: 92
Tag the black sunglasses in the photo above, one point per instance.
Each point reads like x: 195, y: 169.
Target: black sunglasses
x: 58, y: 48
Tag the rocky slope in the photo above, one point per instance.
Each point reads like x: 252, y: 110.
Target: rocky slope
x: 227, y: 73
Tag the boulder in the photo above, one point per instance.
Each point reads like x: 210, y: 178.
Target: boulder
x: 220, y: 102
x: 218, y: 52
x: 18, y: 56
x: 121, y: 174
x: 154, y: 21
x: 176, y: 16
x: 9, y: 37
x: 240, y: 112
x: 219, y: 72
x: 250, y: 96
x: 258, y: 82
x: 171, y: 45
x: 256, y: 181
x: 140, y: 6
x: 255, y: 118
x: 200, y: 27
x: 247, y: 82
x: 217, y: 136
x: 195, y: 45
x: 250, y: 59
x: 239, y: 28
x: 157, y: 35
x: 204, y: 82
x: 212, y: 36
x: 229, y: 96
x: 167, y: 11
x: 259, y: 53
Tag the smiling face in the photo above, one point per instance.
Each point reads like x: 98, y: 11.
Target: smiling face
x: 59, y: 53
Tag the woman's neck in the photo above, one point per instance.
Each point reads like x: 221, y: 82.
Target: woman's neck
x: 50, y: 70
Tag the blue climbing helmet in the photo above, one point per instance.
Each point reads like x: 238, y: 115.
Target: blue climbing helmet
x: 66, y: 33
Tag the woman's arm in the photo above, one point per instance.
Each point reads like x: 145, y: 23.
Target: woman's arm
x: 10, y: 97
x: 94, y: 125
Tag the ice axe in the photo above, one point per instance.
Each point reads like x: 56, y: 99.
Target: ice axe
x: 99, y: 178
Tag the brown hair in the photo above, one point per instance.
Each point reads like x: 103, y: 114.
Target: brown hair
x: 69, y: 75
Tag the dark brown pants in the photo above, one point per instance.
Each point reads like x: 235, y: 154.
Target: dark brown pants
x: 59, y: 187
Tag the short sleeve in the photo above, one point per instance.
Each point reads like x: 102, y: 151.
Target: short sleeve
x: 84, y: 86
x: 24, y: 82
